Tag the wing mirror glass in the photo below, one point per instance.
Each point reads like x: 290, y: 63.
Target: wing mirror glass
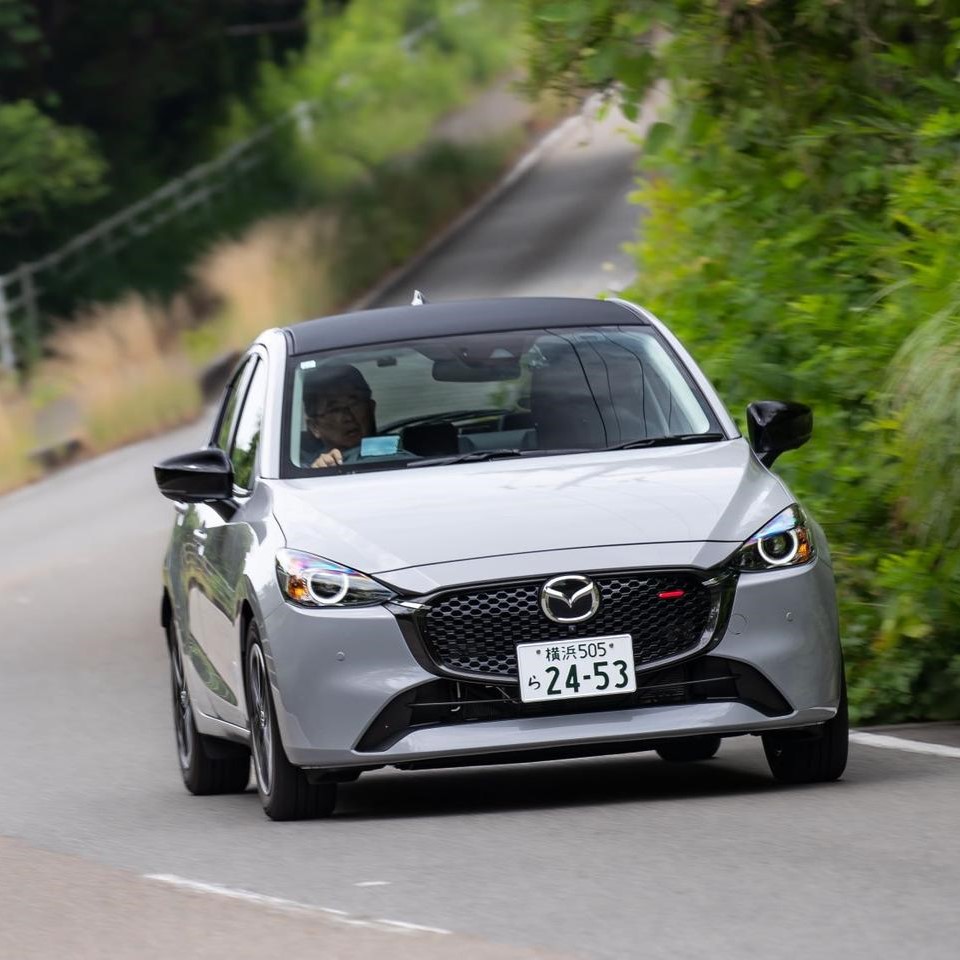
x: 776, y: 426
x: 198, y: 477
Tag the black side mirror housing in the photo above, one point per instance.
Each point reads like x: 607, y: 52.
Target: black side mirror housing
x: 776, y: 426
x: 199, y: 477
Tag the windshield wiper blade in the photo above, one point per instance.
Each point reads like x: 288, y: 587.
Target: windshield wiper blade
x: 668, y: 441
x: 473, y: 456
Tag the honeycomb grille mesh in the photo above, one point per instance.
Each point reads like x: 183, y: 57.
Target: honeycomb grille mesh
x: 477, y: 630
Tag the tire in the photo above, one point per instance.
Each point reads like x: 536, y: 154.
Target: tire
x: 284, y: 790
x: 816, y: 756
x: 687, y: 749
x: 208, y: 765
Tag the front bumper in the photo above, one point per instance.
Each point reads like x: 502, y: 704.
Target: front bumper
x: 335, y: 672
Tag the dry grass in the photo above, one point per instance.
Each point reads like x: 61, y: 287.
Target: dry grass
x: 122, y: 366
x: 16, y: 437
x: 277, y: 273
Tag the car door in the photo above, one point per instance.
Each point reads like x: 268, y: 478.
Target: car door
x: 227, y: 538
x: 194, y: 571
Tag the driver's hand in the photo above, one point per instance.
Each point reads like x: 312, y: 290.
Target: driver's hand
x: 332, y: 458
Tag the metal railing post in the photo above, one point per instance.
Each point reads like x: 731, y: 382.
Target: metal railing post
x: 8, y: 354
x: 31, y: 311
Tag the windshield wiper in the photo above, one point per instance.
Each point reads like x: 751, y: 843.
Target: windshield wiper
x: 502, y: 453
x: 668, y: 441
x: 473, y: 456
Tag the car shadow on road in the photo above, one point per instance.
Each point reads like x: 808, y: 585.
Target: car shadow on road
x: 739, y: 770
x: 602, y: 781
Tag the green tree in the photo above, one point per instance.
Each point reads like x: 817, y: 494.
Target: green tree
x: 43, y: 167
x: 803, y: 234
x: 148, y: 80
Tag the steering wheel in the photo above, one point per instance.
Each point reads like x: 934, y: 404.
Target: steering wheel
x: 450, y: 416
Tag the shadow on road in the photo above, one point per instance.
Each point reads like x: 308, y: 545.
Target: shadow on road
x: 631, y: 779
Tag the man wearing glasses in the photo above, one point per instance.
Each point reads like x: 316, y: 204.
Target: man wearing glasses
x: 338, y: 412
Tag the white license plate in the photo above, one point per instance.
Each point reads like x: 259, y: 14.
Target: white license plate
x: 563, y: 670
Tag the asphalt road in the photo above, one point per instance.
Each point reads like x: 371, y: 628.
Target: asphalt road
x: 607, y: 858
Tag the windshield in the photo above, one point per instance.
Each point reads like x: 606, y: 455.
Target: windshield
x: 514, y: 393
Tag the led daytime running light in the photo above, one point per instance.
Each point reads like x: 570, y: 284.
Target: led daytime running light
x: 780, y: 561
x: 337, y: 597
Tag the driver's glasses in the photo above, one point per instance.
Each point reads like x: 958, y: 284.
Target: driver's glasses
x: 339, y: 408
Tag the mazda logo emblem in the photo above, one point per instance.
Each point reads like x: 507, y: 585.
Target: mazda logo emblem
x: 569, y: 599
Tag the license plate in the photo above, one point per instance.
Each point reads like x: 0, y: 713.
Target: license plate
x: 595, y: 667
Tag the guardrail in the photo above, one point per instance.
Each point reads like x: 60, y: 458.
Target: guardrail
x: 194, y: 190
x: 21, y: 289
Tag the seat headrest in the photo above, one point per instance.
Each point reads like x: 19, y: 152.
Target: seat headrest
x: 430, y: 439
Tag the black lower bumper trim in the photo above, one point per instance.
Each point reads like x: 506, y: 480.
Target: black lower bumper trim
x: 439, y: 703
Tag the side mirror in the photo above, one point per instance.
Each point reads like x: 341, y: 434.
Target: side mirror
x: 776, y: 426
x: 197, y: 477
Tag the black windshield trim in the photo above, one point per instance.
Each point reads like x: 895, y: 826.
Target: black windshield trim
x: 386, y: 325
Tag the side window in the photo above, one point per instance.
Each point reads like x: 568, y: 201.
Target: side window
x: 228, y: 409
x: 247, y: 438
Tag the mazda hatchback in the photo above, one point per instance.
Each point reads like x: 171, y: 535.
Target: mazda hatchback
x: 484, y: 532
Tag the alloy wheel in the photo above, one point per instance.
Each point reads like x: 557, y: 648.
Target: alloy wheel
x: 182, y: 713
x: 261, y: 719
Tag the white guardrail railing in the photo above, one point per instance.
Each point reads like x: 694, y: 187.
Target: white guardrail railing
x: 188, y: 194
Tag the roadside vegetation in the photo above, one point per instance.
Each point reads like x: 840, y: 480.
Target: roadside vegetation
x: 802, y: 232
x: 340, y: 198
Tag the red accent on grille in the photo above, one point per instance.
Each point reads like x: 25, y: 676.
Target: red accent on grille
x: 671, y: 594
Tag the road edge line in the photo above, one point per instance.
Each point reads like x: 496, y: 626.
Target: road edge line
x: 290, y: 906
x: 887, y: 742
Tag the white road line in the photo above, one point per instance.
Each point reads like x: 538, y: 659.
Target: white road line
x: 910, y: 746
x: 290, y: 906
x: 373, y: 883
x: 413, y: 927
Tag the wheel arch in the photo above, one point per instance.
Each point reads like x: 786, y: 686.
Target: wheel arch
x: 247, y: 616
x: 166, y: 614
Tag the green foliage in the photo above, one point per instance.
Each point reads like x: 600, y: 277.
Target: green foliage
x: 373, y: 95
x: 146, y: 79
x: 43, y: 166
x: 803, y: 235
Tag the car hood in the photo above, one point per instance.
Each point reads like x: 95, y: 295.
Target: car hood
x: 393, y: 520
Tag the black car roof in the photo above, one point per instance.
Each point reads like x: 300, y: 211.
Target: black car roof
x: 452, y: 317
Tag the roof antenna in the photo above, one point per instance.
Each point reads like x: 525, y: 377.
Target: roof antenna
x: 418, y: 299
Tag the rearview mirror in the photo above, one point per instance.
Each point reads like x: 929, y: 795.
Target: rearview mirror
x: 198, y: 477
x: 486, y: 371
x: 776, y: 426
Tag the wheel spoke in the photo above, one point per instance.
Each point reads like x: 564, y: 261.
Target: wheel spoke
x: 182, y: 717
x: 261, y: 719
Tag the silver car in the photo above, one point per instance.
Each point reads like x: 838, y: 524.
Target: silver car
x: 484, y: 532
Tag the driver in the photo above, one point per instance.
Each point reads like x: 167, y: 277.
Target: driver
x: 338, y: 412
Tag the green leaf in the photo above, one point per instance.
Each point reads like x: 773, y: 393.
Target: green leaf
x: 793, y: 179
x: 657, y: 137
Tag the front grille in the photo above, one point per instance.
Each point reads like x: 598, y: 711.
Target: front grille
x: 476, y: 630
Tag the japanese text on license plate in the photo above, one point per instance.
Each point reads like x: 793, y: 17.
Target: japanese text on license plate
x: 591, y: 667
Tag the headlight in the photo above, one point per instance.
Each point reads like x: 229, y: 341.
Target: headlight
x: 314, y: 582
x: 786, y: 541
